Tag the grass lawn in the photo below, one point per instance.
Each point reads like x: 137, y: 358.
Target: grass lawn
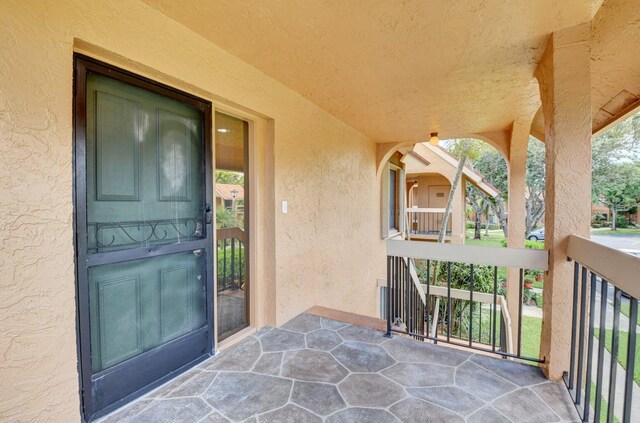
x: 531, y: 328
x: 624, y: 307
x: 604, y: 406
x: 622, y: 351
x: 608, y: 231
x: 492, y: 240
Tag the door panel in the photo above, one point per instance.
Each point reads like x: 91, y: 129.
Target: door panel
x: 438, y: 197
x: 145, y: 173
x: 118, y: 318
x: 141, y: 304
x: 117, y: 126
x: 144, y: 243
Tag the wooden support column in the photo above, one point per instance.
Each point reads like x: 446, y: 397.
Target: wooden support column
x: 564, y: 76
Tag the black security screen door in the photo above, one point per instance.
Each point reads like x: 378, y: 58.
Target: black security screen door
x: 143, y: 233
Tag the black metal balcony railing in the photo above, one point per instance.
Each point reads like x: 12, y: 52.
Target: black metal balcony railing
x: 457, y: 299
x: 597, y: 334
x: 231, y: 270
x: 404, y: 300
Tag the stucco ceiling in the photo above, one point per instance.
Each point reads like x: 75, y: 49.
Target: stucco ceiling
x: 395, y: 70
x: 615, y: 61
x: 615, y: 65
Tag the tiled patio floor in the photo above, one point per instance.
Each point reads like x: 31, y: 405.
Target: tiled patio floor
x: 314, y: 369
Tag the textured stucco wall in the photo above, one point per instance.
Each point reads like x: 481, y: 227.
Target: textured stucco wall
x: 327, y: 249
x: 516, y: 211
x: 565, y: 88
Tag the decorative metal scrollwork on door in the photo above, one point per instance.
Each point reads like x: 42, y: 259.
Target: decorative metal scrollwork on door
x: 120, y: 235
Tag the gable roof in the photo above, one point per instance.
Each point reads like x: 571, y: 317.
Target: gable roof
x: 424, y: 154
x: 225, y: 191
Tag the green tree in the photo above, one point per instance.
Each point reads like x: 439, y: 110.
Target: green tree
x: 535, y: 180
x: 621, y: 190
x: 615, y: 167
x: 228, y: 177
x: 493, y: 167
x: 481, y: 205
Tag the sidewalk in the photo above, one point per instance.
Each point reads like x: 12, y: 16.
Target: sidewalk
x: 620, y: 379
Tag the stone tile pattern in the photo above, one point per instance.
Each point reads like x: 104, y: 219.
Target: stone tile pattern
x: 317, y: 370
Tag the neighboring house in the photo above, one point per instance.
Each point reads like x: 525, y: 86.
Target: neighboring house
x: 601, y: 209
x: 429, y: 175
x: 229, y: 195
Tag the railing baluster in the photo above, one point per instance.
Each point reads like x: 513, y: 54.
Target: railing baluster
x: 615, y: 342
x: 583, y: 304
x: 241, y: 262
x: 574, y: 323
x: 520, y: 298
x: 459, y: 320
x: 394, y: 296
x: 391, y: 288
x: 631, y: 362
x: 410, y: 310
x: 480, y: 323
x: 601, y: 338
x: 428, y: 296
x: 470, y: 305
x: 403, y: 293
x: 398, y: 291
x: 389, y: 283
x: 407, y: 303
x: 587, y: 390
x: 448, y: 301
x: 495, y: 306
x: 224, y: 249
x: 233, y: 263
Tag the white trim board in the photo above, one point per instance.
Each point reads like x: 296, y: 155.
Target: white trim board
x: 520, y: 258
x: 619, y: 268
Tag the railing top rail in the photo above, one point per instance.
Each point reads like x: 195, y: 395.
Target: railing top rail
x: 619, y: 268
x: 520, y: 258
x: 424, y: 210
x: 231, y: 232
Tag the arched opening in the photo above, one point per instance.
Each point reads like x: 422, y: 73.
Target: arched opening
x: 417, y: 181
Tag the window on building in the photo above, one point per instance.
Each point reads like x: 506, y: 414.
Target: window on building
x: 393, y: 199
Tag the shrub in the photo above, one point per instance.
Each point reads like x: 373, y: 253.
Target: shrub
x: 492, y: 226
x: 622, y: 222
x: 461, y: 277
x: 596, y: 225
x: 230, y: 266
x: 534, y: 245
x: 226, y: 218
x: 531, y: 245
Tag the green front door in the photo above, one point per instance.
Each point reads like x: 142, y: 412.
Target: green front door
x: 144, y: 234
